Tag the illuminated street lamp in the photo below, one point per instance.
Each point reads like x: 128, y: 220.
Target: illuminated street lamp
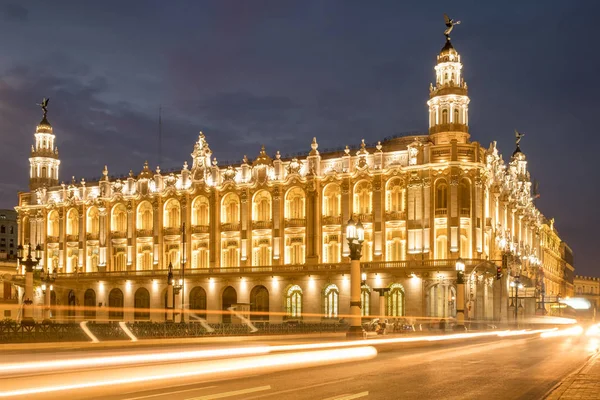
x: 29, y: 264
x: 516, y: 283
x: 170, y: 294
x: 355, y: 234
x: 47, y: 281
x: 460, y: 294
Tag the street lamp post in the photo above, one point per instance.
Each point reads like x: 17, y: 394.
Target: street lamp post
x: 29, y: 263
x: 182, y: 280
x: 516, y: 283
x: 355, y: 234
x: 47, y: 281
x: 170, y: 294
x: 460, y: 295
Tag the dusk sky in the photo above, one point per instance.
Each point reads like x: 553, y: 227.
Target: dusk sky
x: 278, y: 73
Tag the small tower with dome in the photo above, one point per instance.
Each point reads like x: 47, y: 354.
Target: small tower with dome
x: 43, y: 160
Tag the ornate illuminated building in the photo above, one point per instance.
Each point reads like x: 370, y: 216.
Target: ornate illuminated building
x: 270, y: 232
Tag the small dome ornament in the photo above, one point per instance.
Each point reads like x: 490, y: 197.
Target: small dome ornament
x: 263, y: 158
x: 146, y: 173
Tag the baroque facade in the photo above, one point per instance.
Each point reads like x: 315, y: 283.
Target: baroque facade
x: 269, y: 233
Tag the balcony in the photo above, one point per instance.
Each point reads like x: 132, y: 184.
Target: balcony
x: 262, y: 224
x: 395, y: 216
x: 72, y: 238
x: 144, y: 233
x: 332, y: 220
x: 200, y: 229
x: 171, y: 231
x: 118, y: 234
x: 465, y: 212
x: 365, y: 217
x: 52, y: 239
x: 92, y: 236
x: 230, y: 226
x: 441, y: 212
x: 295, y: 222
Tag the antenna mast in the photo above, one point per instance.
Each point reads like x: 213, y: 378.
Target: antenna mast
x: 159, y: 135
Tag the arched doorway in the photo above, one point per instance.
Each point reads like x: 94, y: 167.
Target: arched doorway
x: 72, y: 302
x: 229, y: 299
x: 141, y: 303
x: 198, y: 302
x: 89, y: 302
x: 259, y: 303
x: 115, y: 304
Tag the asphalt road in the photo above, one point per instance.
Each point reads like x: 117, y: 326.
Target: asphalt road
x: 491, y: 368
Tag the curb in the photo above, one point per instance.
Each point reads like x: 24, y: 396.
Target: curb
x: 561, y: 387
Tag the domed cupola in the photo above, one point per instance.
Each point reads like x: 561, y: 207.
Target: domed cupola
x: 43, y: 160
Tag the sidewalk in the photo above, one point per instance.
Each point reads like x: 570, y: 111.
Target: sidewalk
x: 582, y: 385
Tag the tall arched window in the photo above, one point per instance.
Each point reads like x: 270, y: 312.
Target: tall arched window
x: 465, y: 198
x: 456, y: 116
x: 93, y: 221
x: 395, y: 300
x: 229, y: 299
x: 259, y: 303
x: 115, y: 304
x: 331, y: 295
x: 444, y: 116
x: 394, y: 199
x: 198, y: 302
x: 363, y: 198
x: 144, y: 220
x: 119, y: 218
x: 172, y: 214
x: 44, y: 172
x: 332, y: 195
x: 200, y: 211
x: 365, y: 303
x: 230, y: 209
x: 294, y: 203
x: 53, y: 223
x: 141, y: 303
x: 441, y: 196
x: 293, y: 301
x: 261, y: 206
x: 89, y: 302
x: 72, y: 222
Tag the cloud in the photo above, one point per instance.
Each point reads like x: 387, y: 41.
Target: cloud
x: 14, y: 12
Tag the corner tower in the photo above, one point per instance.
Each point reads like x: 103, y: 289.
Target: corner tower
x: 448, y: 101
x: 43, y: 161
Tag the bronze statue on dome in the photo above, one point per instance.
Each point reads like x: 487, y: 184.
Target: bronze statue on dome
x: 518, y: 137
x: 44, y: 105
x: 450, y: 25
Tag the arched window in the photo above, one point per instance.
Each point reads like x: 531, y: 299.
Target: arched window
x: 293, y: 301
x: 200, y: 211
x: 259, y: 303
x: 93, y: 221
x: 172, y: 215
x: 145, y: 257
x: 115, y: 304
x: 26, y: 230
x: 465, y: 198
x: 394, y: 199
x: 331, y: 295
x: 444, y: 116
x: 198, y: 302
x: 441, y: 196
x: 89, y: 302
x: 261, y: 206
x: 144, y: 220
x: 119, y: 218
x: 294, y: 203
x: 230, y: 209
x: 456, y: 116
x: 365, y: 303
x: 294, y: 249
x: 53, y: 223
x: 72, y: 222
x: 230, y: 253
x: 362, y: 198
x: 395, y: 300
x: 229, y: 299
x: 44, y: 172
x: 142, y: 304
x: 332, y: 196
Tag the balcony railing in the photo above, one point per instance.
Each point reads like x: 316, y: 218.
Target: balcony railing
x: 92, y: 236
x: 465, y: 212
x: 145, y: 233
x: 365, y: 217
x: 171, y: 231
x: 441, y: 212
x: 230, y: 226
x: 72, y: 238
x: 332, y: 220
x: 295, y: 222
x: 262, y: 224
x: 411, y: 266
x: 200, y: 228
x: 52, y: 239
x: 395, y: 216
x: 118, y: 234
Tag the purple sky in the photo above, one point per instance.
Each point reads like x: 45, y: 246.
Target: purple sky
x: 280, y: 72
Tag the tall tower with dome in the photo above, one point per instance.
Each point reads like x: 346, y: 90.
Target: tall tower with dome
x: 43, y: 161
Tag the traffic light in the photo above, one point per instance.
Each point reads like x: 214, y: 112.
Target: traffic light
x: 498, y: 273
